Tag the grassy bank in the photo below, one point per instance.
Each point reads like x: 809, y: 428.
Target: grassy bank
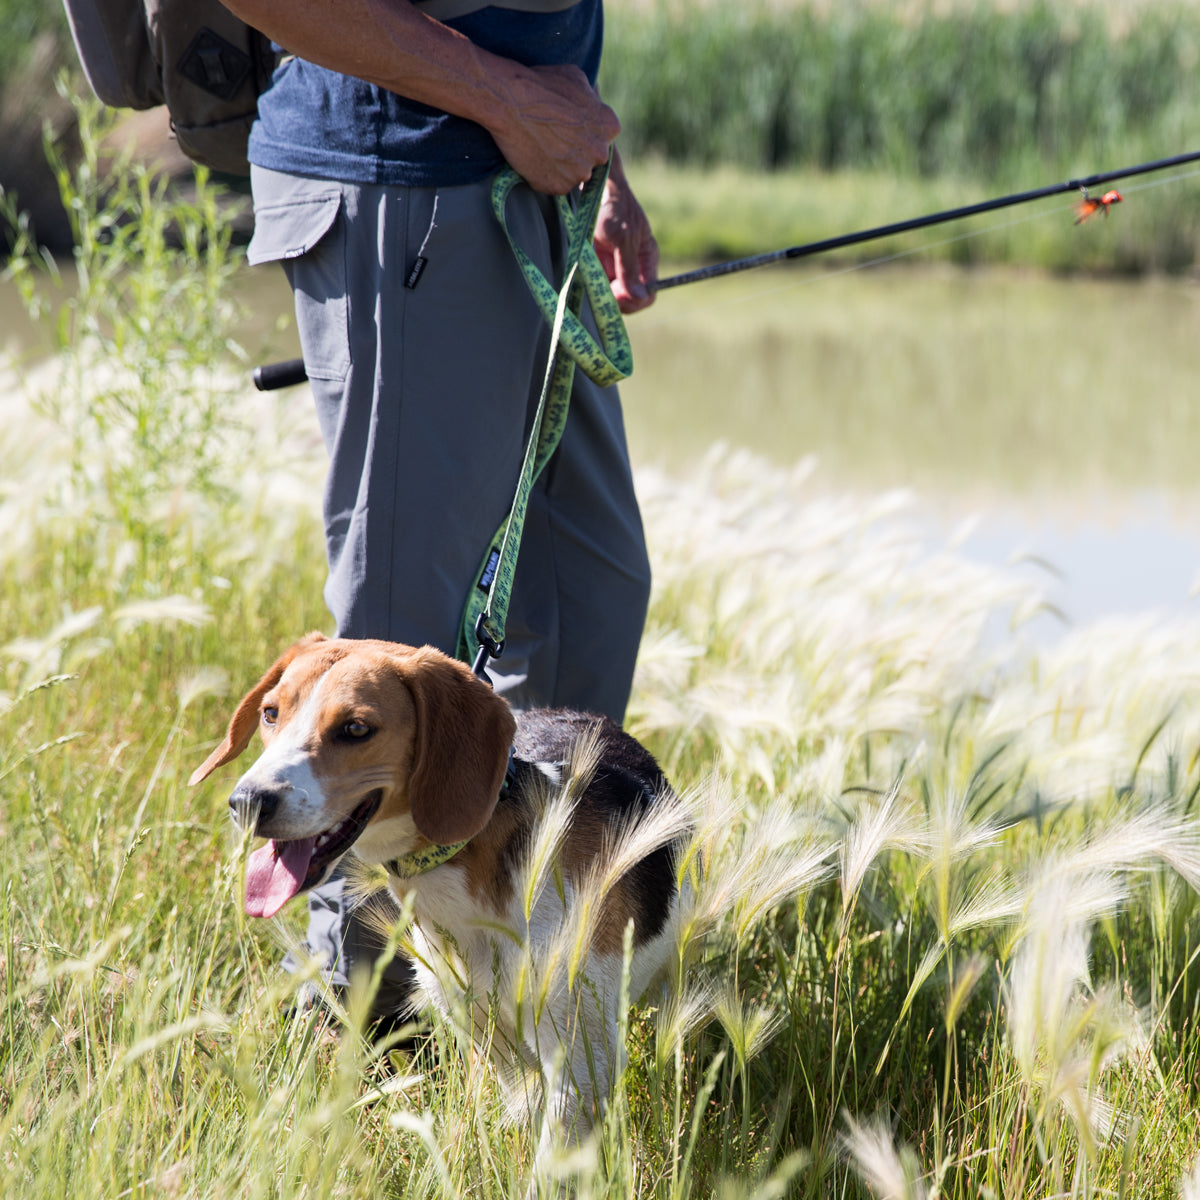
x: 953, y: 923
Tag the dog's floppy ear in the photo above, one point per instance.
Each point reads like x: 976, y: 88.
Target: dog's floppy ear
x: 245, y: 718
x: 461, y: 744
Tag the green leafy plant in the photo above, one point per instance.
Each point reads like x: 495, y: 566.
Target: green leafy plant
x: 143, y: 387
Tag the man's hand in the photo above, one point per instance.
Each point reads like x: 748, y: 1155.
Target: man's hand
x: 624, y: 244
x: 552, y: 128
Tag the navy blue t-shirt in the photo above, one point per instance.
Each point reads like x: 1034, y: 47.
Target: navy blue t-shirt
x: 319, y: 123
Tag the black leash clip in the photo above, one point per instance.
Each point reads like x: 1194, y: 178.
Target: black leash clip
x: 489, y: 649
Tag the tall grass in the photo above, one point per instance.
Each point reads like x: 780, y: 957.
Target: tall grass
x: 982, y: 90
x: 945, y: 927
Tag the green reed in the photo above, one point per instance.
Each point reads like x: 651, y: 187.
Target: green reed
x: 974, y: 90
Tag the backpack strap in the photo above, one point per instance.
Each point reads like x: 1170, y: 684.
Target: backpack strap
x: 114, y: 50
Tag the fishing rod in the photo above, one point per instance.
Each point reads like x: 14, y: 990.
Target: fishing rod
x: 286, y: 374
x: 938, y: 218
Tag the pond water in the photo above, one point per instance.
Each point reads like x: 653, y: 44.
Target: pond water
x: 1051, y: 420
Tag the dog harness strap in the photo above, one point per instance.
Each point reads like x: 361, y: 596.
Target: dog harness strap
x: 481, y: 633
x: 417, y: 862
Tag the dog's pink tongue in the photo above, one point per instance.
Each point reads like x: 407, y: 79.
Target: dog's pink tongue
x: 275, y: 873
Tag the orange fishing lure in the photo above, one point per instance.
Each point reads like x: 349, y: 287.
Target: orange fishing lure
x: 1090, y: 205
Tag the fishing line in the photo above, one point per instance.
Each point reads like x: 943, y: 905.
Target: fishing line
x: 1153, y: 183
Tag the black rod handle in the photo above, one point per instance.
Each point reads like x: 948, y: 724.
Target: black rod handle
x: 271, y: 376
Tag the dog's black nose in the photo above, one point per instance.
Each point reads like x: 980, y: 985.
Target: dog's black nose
x: 253, y: 807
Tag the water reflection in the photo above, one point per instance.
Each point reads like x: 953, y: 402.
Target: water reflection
x: 967, y: 382
x: 1060, y: 414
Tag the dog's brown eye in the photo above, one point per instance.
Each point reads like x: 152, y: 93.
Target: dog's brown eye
x: 270, y: 714
x: 356, y: 729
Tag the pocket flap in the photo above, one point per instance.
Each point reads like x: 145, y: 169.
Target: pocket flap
x: 292, y: 227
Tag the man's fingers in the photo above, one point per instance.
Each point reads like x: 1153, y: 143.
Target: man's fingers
x: 632, y: 269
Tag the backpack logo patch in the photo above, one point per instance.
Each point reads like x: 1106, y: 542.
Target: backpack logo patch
x: 216, y: 65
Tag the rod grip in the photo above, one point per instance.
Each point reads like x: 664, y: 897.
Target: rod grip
x: 271, y: 376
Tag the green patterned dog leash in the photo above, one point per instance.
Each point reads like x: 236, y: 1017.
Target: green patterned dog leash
x: 481, y: 634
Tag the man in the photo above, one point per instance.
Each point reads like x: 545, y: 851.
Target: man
x: 372, y: 159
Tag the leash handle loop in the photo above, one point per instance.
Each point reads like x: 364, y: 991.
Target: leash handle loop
x: 612, y: 360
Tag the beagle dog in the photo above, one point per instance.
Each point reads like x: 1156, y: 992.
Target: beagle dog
x: 404, y: 757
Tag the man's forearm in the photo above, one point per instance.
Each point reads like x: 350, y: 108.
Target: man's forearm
x: 548, y: 122
x: 386, y: 42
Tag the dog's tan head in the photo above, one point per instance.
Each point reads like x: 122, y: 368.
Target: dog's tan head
x: 367, y: 744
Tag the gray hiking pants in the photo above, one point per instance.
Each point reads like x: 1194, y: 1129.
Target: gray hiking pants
x: 426, y: 354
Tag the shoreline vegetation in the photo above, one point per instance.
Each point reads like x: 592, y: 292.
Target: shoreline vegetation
x: 818, y: 119
x: 946, y: 937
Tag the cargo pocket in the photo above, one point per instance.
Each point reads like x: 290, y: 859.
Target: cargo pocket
x: 297, y: 222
